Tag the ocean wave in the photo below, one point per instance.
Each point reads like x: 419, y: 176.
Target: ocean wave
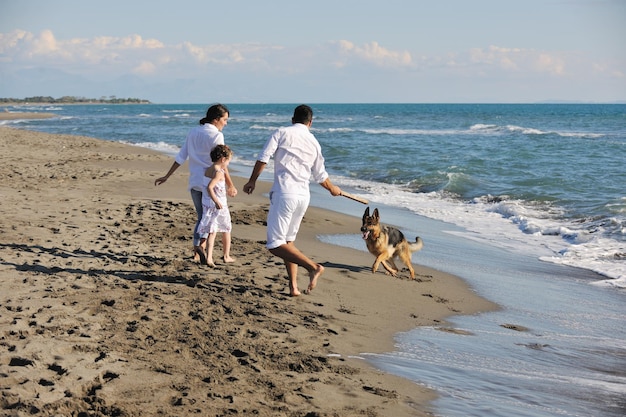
x: 414, y: 132
x: 175, y: 111
x: 340, y: 130
x: 473, y: 130
x: 266, y: 128
x: 525, y: 130
x: 163, y: 147
x: 491, y: 128
x: 15, y: 122
x: 617, y: 208
x: 580, y: 135
x: 20, y: 108
x: 529, y: 227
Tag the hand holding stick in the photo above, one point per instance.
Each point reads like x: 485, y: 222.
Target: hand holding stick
x: 355, y: 198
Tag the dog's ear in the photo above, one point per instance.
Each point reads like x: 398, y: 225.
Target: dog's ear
x: 366, y: 214
x: 375, y: 215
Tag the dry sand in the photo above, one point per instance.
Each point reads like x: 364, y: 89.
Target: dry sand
x: 104, y: 313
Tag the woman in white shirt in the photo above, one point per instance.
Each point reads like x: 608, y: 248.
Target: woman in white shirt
x: 197, y: 149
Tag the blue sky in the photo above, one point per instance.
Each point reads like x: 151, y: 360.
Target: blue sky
x: 320, y: 51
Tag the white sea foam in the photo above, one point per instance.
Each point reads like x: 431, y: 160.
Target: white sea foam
x: 478, y: 128
x: 176, y: 111
x: 266, y: 128
x: 163, y: 147
x: 515, y: 225
x: 496, y: 129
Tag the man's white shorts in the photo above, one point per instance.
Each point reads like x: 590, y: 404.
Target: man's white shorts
x: 284, y: 218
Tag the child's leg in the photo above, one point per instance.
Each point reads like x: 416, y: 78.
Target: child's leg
x: 226, y: 247
x: 209, y: 249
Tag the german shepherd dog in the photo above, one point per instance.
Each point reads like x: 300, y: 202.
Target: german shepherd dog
x: 386, y: 243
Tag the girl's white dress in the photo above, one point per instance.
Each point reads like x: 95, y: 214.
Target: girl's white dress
x: 214, y: 220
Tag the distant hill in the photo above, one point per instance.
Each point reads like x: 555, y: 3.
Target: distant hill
x: 73, y: 100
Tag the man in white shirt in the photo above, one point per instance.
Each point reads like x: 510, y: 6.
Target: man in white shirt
x: 297, y: 157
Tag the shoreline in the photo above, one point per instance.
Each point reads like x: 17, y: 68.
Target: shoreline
x: 5, y: 115
x: 96, y: 262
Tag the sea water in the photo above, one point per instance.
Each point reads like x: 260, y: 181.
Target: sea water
x: 556, y: 348
x: 527, y: 203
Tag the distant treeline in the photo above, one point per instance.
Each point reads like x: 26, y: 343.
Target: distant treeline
x: 73, y: 99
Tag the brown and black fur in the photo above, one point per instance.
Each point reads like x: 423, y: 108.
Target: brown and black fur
x: 386, y: 243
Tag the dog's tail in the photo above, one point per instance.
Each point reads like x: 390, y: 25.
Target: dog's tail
x: 417, y: 245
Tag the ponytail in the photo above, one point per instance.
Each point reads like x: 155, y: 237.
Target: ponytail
x: 214, y: 112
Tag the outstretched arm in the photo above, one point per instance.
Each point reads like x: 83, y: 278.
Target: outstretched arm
x: 332, y: 188
x: 256, y: 171
x: 173, y: 168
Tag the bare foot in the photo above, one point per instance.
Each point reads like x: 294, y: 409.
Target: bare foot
x: 210, y: 263
x: 313, y: 276
x: 229, y: 259
x: 294, y: 293
x: 200, y: 255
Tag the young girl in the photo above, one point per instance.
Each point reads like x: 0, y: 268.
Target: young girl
x: 216, y: 216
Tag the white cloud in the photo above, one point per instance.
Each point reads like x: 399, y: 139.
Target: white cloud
x: 329, y: 66
x: 552, y: 64
x: 145, y: 68
x: 24, y: 48
x: 16, y: 46
x: 45, y: 43
x: 132, y: 52
x: 604, y: 69
x: 375, y: 54
x: 518, y: 60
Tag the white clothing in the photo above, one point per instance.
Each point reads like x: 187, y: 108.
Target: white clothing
x: 297, y: 157
x: 197, y: 148
x: 284, y: 218
x: 214, y: 219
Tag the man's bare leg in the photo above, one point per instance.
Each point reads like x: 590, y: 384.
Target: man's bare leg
x: 292, y: 273
x: 289, y: 253
x: 313, y: 276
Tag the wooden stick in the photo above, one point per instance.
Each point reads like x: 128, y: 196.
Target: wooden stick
x: 355, y: 198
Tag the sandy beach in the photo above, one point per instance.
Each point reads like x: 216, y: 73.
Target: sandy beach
x: 6, y: 115
x: 104, y: 312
